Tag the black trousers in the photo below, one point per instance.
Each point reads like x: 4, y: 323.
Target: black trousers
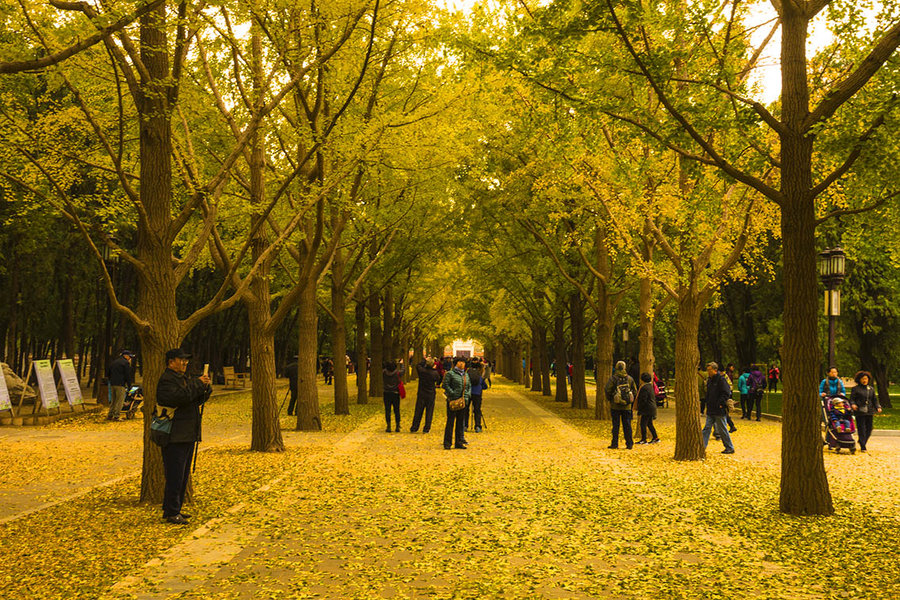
x: 863, y: 429
x: 647, y: 423
x: 746, y: 406
x: 476, y: 411
x: 391, y: 400
x: 702, y: 404
x: 425, y: 406
x: 756, y: 398
x: 624, y: 417
x: 293, y: 401
x: 177, y: 467
x: 453, y: 431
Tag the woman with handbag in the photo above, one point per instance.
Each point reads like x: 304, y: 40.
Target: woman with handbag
x: 457, y: 391
x: 864, y: 402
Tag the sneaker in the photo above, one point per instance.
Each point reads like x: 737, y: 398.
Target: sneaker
x: 388, y: 430
x: 398, y: 429
x: 460, y: 448
x: 642, y: 442
x: 726, y: 451
x: 447, y: 446
x: 185, y: 515
x: 654, y: 441
x: 732, y: 430
x: 478, y: 430
x: 613, y: 447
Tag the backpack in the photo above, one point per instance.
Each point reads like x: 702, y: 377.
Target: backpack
x: 756, y: 383
x: 622, y: 396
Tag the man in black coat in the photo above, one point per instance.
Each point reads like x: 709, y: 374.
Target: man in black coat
x: 429, y: 380
x: 121, y: 377
x: 718, y: 393
x: 184, y: 395
x: 290, y: 371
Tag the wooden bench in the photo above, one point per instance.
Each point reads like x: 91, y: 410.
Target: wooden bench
x: 232, y: 378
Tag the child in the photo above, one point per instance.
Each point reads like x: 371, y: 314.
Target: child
x: 840, y: 416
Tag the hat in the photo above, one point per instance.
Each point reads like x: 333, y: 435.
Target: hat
x: 128, y: 353
x: 645, y: 377
x: 620, y: 366
x: 176, y: 353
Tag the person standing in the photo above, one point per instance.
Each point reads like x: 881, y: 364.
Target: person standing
x: 477, y: 382
x: 328, y: 371
x: 774, y: 377
x: 184, y: 395
x: 718, y: 392
x: 646, y: 407
x: 744, y: 390
x: 121, y: 378
x: 729, y: 376
x: 390, y: 375
x: 756, y: 387
x: 429, y: 379
x: 456, y: 385
x: 290, y: 371
x: 487, y: 374
x: 864, y: 402
x: 620, y: 392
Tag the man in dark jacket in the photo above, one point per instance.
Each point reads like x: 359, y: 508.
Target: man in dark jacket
x: 121, y: 378
x: 290, y: 371
x: 620, y: 393
x: 646, y: 407
x: 429, y: 380
x: 718, y: 392
x: 184, y: 395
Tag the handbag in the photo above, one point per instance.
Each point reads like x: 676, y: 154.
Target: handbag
x: 402, y: 389
x: 459, y: 403
x: 161, y: 426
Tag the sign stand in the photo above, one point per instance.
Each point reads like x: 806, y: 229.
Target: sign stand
x: 46, y: 387
x: 5, y: 401
x: 70, y: 383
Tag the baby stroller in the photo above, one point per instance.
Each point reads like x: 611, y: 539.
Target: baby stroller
x: 134, y: 397
x: 659, y: 388
x: 838, y: 436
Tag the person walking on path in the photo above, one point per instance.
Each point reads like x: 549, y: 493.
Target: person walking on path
x: 390, y: 375
x: 477, y: 382
x: 185, y: 395
x: 121, y: 377
x: 718, y: 392
x: 429, y: 380
x: 290, y: 371
x: 456, y: 385
x: 646, y: 407
x: 744, y: 391
x: 729, y: 376
x: 328, y: 371
x: 756, y: 386
x: 620, y: 392
x: 832, y: 385
x: 864, y: 402
x: 487, y: 375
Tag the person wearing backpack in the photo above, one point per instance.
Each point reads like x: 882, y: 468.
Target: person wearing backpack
x: 756, y: 387
x: 744, y: 389
x: 620, y: 392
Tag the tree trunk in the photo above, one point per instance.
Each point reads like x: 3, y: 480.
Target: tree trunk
x: 804, y: 484
x: 545, y: 361
x: 528, y: 359
x: 688, y: 438
x: 576, y: 318
x: 516, y: 359
x: 646, y: 360
x: 387, y: 339
x: 604, y: 360
x: 376, y: 385
x: 362, y: 394
x: 339, y: 335
x: 308, y: 418
x: 265, y: 428
x: 559, y: 343
x: 536, y: 360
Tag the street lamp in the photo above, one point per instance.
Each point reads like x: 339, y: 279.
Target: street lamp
x: 832, y: 267
x: 111, y: 261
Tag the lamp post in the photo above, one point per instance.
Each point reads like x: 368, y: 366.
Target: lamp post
x: 832, y: 267
x: 625, y: 338
x: 111, y: 261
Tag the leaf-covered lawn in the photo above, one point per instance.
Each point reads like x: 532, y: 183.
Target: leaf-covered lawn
x: 537, y: 507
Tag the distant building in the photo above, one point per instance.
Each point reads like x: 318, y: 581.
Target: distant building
x: 464, y: 348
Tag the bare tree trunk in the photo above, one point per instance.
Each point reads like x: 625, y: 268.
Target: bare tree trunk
x: 804, y: 484
x: 645, y: 335
x: 545, y: 361
x: 605, y: 327
x: 265, y: 427
x: 536, y: 360
x: 387, y: 340
x: 559, y: 343
x: 362, y: 394
x: 688, y: 438
x: 308, y: 418
x: 376, y: 385
x: 576, y: 318
x: 339, y: 335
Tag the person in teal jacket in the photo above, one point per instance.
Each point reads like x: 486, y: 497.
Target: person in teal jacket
x: 832, y: 385
x: 456, y: 385
x: 744, y: 389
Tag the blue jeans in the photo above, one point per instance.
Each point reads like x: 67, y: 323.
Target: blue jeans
x: 721, y: 430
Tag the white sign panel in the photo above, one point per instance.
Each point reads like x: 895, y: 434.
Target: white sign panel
x: 43, y: 370
x: 70, y: 381
x: 5, y: 402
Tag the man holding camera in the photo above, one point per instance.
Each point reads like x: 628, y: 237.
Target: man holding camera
x: 177, y: 392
